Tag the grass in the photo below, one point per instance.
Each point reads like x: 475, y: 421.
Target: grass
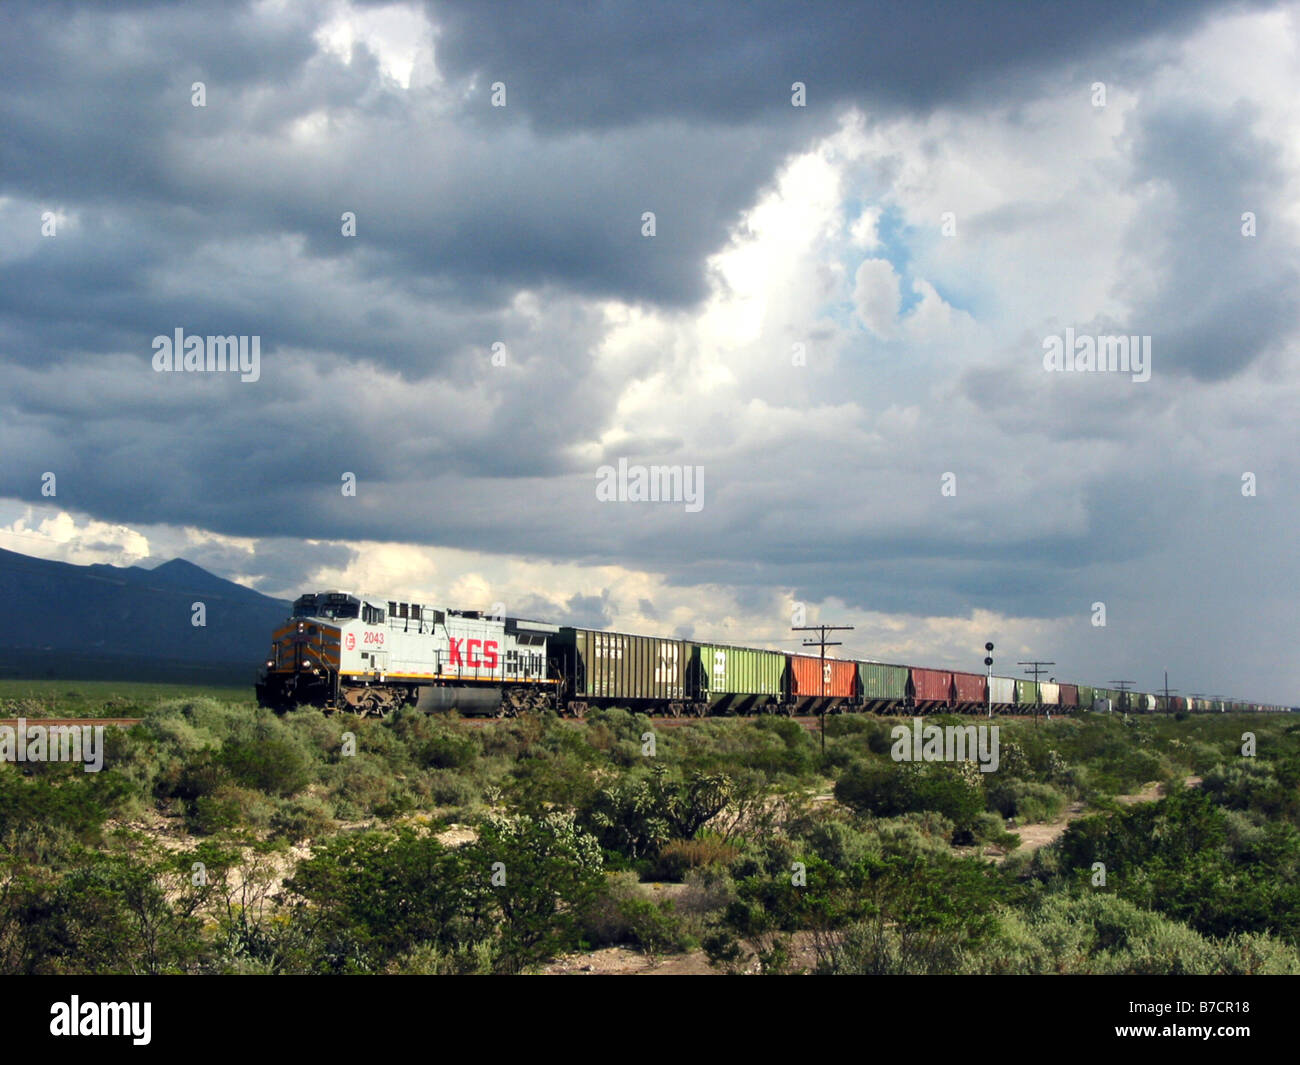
x: 102, y: 698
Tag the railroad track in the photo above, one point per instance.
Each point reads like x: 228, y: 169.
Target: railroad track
x: 812, y: 724
x: 119, y: 722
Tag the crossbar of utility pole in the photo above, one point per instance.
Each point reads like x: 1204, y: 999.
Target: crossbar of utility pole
x: 1123, y: 686
x: 823, y: 643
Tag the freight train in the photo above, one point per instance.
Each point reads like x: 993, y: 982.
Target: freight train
x: 341, y: 651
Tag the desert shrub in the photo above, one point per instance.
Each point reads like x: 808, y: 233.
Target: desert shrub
x: 228, y: 807
x: 1174, y: 857
x: 914, y: 834
x: 875, y: 732
x: 706, y: 891
x: 448, y: 750
x: 272, y: 764
x: 452, y: 789
x: 551, y: 871
x: 879, y: 788
x: 362, y: 787
x: 61, y: 795
x: 639, y: 813
x: 1247, y: 784
x: 1026, y: 800
x: 306, y: 817
x: 622, y: 914
x: 887, y: 789
x: 428, y: 959
x: 678, y: 856
x: 366, y: 899
x: 1098, y: 933
x: 990, y: 828
x: 841, y: 844
x: 112, y: 914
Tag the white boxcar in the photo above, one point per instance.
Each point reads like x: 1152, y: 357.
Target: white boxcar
x: 1002, y: 690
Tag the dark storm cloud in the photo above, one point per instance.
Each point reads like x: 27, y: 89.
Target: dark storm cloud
x: 1221, y: 298
x: 599, y: 65
x: 97, y: 116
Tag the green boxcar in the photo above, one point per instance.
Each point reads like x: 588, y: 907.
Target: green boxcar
x: 1086, y: 696
x: 619, y: 669
x: 733, y: 680
x: 880, y: 685
x: 1027, y: 693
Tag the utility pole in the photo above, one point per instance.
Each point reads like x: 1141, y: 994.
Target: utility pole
x: 1037, y: 671
x: 1168, y: 705
x: 1123, y: 686
x: 823, y: 643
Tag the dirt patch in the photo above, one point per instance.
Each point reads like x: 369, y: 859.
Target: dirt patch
x: 623, y: 961
x: 456, y: 836
x: 1032, y: 837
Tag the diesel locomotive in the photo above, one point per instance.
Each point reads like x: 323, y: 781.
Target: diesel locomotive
x: 343, y: 651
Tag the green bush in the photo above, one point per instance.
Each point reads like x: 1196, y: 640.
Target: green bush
x: 623, y: 915
x: 887, y: 789
x: 1027, y: 801
x: 271, y: 764
x: 306, y: 817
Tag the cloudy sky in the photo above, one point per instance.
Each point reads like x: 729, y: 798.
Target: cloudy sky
x: 840, y: 315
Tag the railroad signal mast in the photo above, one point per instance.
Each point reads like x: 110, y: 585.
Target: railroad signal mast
x: 988, y: 681
x: 823, y: 643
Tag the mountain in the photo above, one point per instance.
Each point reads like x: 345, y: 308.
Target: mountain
x: 125, y: 622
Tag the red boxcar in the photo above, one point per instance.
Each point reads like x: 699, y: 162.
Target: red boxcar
x: 1070, y: 695
x: 972, y: 688
x: 931, y: 687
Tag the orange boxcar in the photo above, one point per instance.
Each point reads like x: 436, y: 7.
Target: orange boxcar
x: 809, y: 681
